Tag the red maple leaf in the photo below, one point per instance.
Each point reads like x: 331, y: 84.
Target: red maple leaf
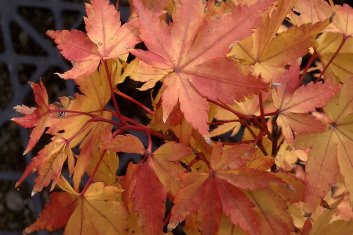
x: 36, y: 116
x: 235, y: 187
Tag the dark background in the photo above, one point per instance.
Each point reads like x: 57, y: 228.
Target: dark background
x: 26, y: 54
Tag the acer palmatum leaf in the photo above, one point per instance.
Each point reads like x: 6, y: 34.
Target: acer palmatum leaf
x: 48, y: 163
x: 232, y: 188
x: 269, y: 51
x: 294, y: 101
x: 191, y: 51
x: 145, y: 195
x: 118, y: 144
x: 147, y: 184
x: 70, y: 130
x: 106, y: 38
x: 331, y: 150
x: 35, y: 117
x: 75, y: 212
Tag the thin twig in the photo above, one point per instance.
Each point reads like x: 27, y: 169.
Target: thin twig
x: 129, y: 98
x: 93, y: 173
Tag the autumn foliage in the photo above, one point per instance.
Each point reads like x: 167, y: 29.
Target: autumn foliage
x: 278, y: 74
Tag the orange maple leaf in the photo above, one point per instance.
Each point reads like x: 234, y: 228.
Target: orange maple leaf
x: 70, y: 130
x: 269, y: 51
x: 294, y: 101
x: 191, y: 52
x: 233, y: 187
x: 75, y: 212
x: 106, y: 38
x: 119, y: 144
x: 48, y: 163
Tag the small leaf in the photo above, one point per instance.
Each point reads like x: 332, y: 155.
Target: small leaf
x: 105, y: 39
x: 35, y: 117
x: 125, y: 143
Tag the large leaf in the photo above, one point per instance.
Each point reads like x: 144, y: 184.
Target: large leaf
x: 232, y: 187
x: 147, y: 185
x: 191, y: 52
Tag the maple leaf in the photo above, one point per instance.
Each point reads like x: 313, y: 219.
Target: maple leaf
x: 342, y: 20
x: 330, y: 151
x: 36, y: 116
x: 75, y: 211
x: 56, y: 212
x: 106, y: 38
x: 338, y: 30
x: 311, y: 11
x: 48, y: 163
x: 166, y: 166
x: 269, y: 54
x: 84, y: 129
x: 294, y: 101
x: 287, y: 157
x: 231, y: 186
x: 108, y: 167
x: 250, y: 106
x: 94, y: 95
x: 147, y: 184
x: 118, y: 144
x: 70, y: 130
x: 191, y: 50
x: 88, y: 148
x: 147, y: 195
x: 324, y: 223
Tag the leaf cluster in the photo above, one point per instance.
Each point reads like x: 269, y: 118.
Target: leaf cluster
x: 276, y: 73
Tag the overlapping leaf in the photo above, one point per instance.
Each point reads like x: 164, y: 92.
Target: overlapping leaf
x: 327, y: 45
x: 326, y: 224
x: 108, y: 167
x: 119, y: 144
x: 294, y: 100
x: 214, y: 189
x: 313, y: 11
x: 331, y: 150
x: 75, y: 212
x: 191, y: 51
x: 70, y: 129
x: 250, y: 106
x: 147, y: 185
x: 269, y: 54
x: 234, y: 188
